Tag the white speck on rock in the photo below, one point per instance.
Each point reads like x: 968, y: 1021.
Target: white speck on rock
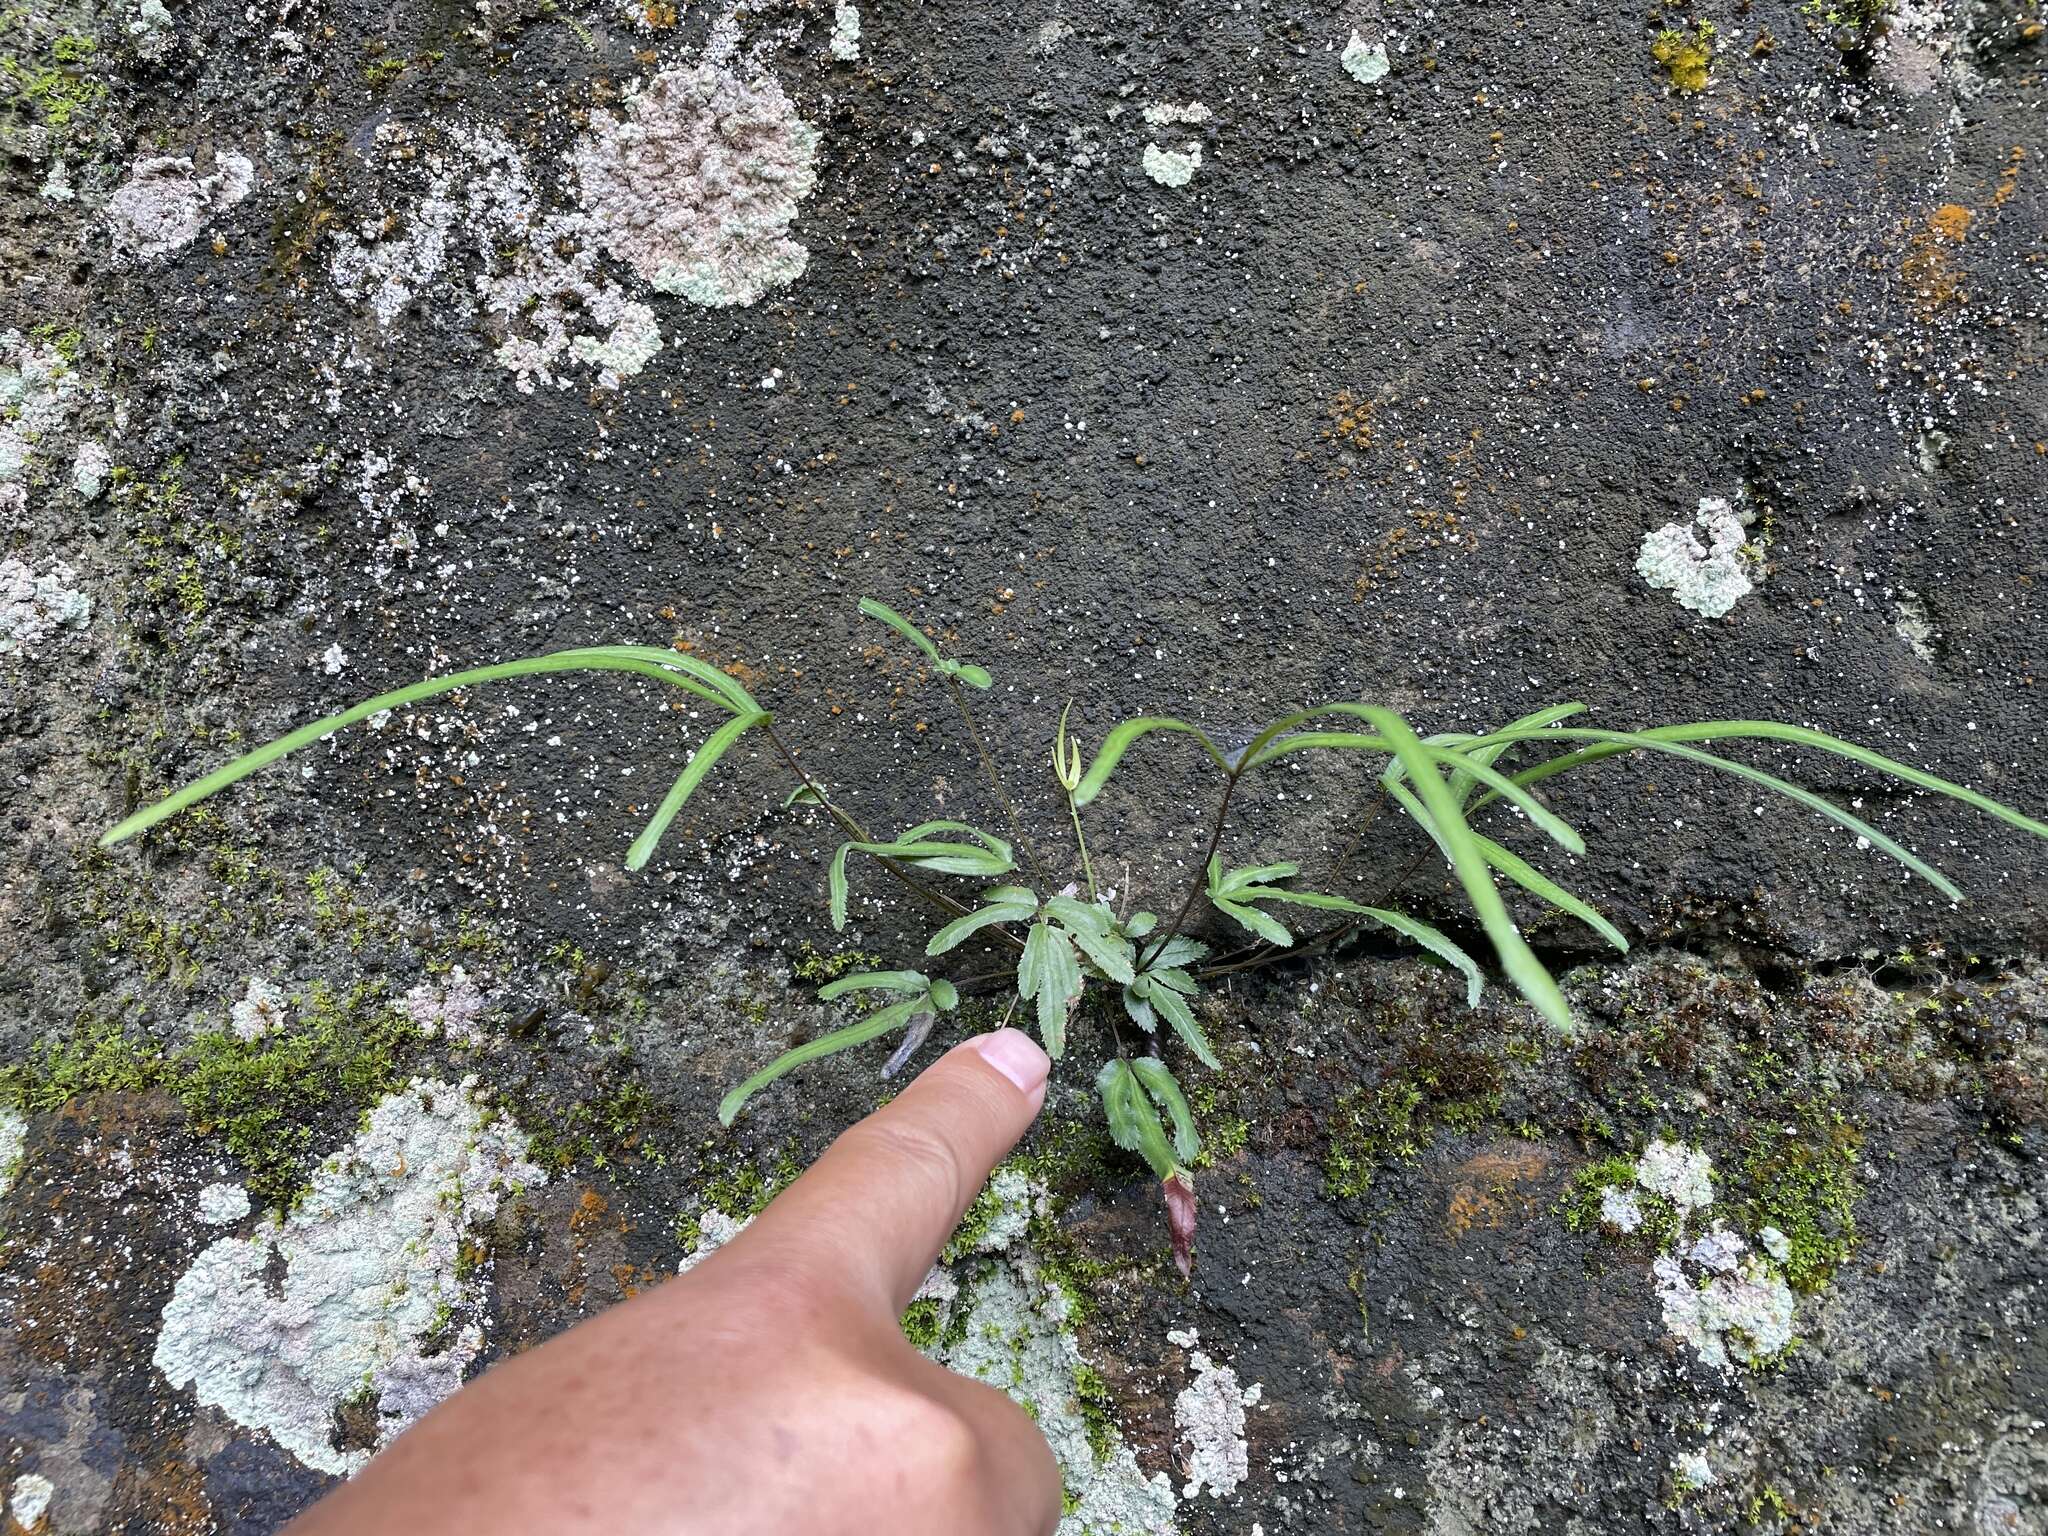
x: 347, y: 1298
x: 1161, y: 113
x: 28, y: 1500
x: 1709, y: 576
x: 1678, y: 1173
x: 333, y: 660
x: 222, y: 1205
x: 261, y: 1010
x: 1172, y: 167
x: 164, y: 203
x: 1209, y: 1417
x: 695, y: 185
x: 34, y: 608
x: 1690, y: 1469
x: 1368, y: 64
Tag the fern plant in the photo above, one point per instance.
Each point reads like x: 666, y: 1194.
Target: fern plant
x: 1062, y: 949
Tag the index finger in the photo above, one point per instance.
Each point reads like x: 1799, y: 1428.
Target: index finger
x: 872, y: 1214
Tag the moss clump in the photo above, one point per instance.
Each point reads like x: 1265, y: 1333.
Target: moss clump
x: 1804, y: 1184
x: 1581, y: 1203
x: 1687, y: 57
x: 267, y: 1097
x: 740, y: 1193
x: 921, y: 1323
x: 97, y: 1057
x: 1372, y: 1125
x: 1098, y: 1411
x: 818, y: 968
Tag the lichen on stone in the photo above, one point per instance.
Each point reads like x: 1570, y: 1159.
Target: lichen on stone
x: 1683, y: 1175
x: 845, y: 43
x: 261, y: 1010
x: 357, y: 1289
x: 35, y: 608
x: 1367, y: 63
x: 165, y: 202
x: 1208, y: 1417
x: 695, y: 183
x: 449, y: 1007
x: 1706, y: 575
x: 13, y: 1137
x: 1172, y: 167
x: 222, y: 1205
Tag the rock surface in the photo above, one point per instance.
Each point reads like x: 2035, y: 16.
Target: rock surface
x: 1206, y: 360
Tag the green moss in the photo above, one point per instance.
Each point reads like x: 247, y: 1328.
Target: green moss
x: 51, y: 76
x: 1804, y: 1184
x: 817, y: 968
x: 1580, y: 1203
x: 921, y: 1322
x: 1370, y: 1126
x: 97, y: 1057
x: 267, y: 1098
x: 739, y: 1192
x: 1686, y: 56
x: 1098, y: 1411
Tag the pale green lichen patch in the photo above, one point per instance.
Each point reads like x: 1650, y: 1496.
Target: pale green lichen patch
x: 1367, y: 63
x: 13, y: 1137
x: 1706, y: 564
x: 356, y: 1294
x: 1172, y: 167
x: 694, y: 184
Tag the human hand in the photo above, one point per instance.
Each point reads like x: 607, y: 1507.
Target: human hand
x: 770, y: 1389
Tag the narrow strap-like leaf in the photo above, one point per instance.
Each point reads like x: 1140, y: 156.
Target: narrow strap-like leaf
x: 587, y: 659
x: 1527, y: 972
x: 872, y: 1027
x: 1461, y: 781
x: 1267, y: 927
x: 1121, y: 739
x: 1437, y: 944
x: 1229, y: 883
x: 1158, y: 1081
x: 701, y: 762
x: 875, y: 981
x: 1542, y: 887
x: 1797, y: 735
x: 874, y: 608
x: 1622, y: 741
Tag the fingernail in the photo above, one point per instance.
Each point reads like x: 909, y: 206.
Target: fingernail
x: 1016, y: 1055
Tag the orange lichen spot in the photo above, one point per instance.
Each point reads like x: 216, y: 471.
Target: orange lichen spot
x: 1350, y: 419
x: 1951, y: 222
x: 2009, y: 178
x: 1929, y: 268
x: 590, y: 1210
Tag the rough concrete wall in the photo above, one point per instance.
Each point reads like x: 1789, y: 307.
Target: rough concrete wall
x: 1199, y: 359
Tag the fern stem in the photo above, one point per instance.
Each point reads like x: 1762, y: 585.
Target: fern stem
x: 860, y: 834
x: 995, y: 781
x: 1081, y: 841
x: 1201, y: 875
